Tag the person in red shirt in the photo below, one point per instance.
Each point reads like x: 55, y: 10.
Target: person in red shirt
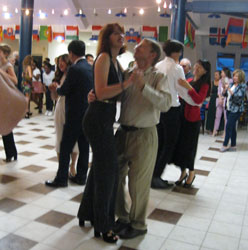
x: 198, y: 90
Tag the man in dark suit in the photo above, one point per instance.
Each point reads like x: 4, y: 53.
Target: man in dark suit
x: 78, y: 82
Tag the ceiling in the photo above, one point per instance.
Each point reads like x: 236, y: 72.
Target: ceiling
x: 96, y: 12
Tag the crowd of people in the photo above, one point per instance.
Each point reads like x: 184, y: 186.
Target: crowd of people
x: 159, y: 122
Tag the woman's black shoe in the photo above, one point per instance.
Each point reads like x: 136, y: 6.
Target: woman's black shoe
x: 109, y: 237
x: 9, y: 159
x: 186, y: 185
x: 178, y: 183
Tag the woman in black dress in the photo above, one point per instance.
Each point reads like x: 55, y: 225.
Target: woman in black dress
x: 212, y: 103
x: 98, y: 203
x: 198, y: 89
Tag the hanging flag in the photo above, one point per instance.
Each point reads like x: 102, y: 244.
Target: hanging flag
x: 36, y: 36
x: 95, y: 32
x: 234, y: 31
x: 149, y: 32
x: 217, y: 36
x: 46, y: 33
x: 1, y: 33
x: 245, y: 35
x: 133, y: 35
x: 163, y: 33
x: 189, y: 39
x: 71, y: 33
x: 59, y: 33
x: 17, y: 32
x: 8, y: 33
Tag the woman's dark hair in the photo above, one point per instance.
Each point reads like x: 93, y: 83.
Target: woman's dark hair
x: 227, y: 72
x: 103, y: 40
x: 205, y: 78
x: 171, y: 46
x: 219, y: 72
x: 58, y: 72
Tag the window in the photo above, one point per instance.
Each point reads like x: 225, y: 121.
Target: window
x: 244, y: 65
x: 225, y: 60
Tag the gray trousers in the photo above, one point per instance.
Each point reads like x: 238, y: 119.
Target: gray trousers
x: 137, y: 151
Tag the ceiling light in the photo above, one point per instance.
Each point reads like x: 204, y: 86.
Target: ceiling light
x: 141, y: 11
x: 158, y: 1
x: 159, y: 9
x: 125, y: 10
x: 5, y: 8
x: 27, y: 12
x: 170, y: 5
x: 165, y: 5
x: 16, y: 10
x: 66, y: 12
x: 7, y: 15
x: 53, y: 11
x: 109, y: 11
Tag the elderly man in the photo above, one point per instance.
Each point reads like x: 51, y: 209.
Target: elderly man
x: 186, y: 64
x: 137, y: 140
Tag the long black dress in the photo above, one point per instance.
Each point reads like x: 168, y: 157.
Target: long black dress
x: 98, y: 202
x: 212, y: 110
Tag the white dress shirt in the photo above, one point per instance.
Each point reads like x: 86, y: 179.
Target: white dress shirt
x: 174, y: 72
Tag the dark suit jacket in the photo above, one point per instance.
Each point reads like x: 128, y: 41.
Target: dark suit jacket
x: 78, y: 83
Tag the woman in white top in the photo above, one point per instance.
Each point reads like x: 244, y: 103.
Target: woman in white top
x: 7, y: 71
x: 59, y: 114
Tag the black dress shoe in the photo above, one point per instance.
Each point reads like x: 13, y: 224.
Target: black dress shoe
x: 119, y: 226
x: 130, y: 233
x: 76, y: 180
x: 158, y: 183
x: 55, y: 183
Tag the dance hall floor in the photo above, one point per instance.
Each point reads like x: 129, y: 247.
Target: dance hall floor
x: 211, y: 215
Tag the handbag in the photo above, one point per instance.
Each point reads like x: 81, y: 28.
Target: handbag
x: 38, y: 87
x: 13, y: 105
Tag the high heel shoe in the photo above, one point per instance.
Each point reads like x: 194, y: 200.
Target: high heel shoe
x: 109, y: 237
x: 9, y: 159
x: 178, y: 183
x: 186, y: 185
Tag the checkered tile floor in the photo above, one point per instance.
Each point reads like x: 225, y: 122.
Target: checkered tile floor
x: 211, y: 215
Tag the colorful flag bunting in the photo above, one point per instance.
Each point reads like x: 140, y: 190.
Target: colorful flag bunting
x: 59, y: 33
x: 17, y: 32
x: 95, y: 32
x: 71, y: 33
x: 217, y: 36
x: 1, y: 33
x: 189, y: 39
x: 163, y: 33
x: 46, y: 33
x: 133, y: 35
x: 234, y: 31
x: 8, y: 33
x: 149, y: 32
x: 36, y: 36
x: 245, y: 35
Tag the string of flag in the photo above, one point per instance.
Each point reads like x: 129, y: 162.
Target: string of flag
x: 61, y: 33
